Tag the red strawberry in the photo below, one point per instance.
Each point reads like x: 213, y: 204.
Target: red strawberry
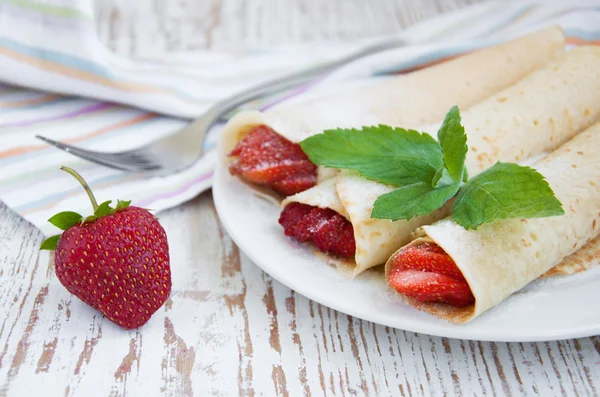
x: 328, y: 230
x: 265, y: 157
x: 326, y: 236
x: 295, y: 183
x: 427, y: 257
x: 428, y: 274
x: 310, y: 223
x: 291, y: 215
x: 336, y: 237
x: 346, y: 245
x: 432, y: 287
x: 273, y: 172
x: 116, y: 261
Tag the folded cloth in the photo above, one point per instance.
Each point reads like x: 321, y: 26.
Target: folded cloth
x: 81, y: 93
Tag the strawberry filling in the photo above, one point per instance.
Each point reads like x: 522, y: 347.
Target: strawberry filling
x: 428, y: 274
x: 266, y: 158
x: 325, y: 228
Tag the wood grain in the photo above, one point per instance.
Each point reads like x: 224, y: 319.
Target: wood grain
x: 186, y: 25
x: 228, y: 328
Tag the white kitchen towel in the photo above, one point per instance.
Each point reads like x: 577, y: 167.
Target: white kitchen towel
x: 59, y: 80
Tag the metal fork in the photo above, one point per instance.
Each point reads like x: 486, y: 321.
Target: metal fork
x: 183, y: 148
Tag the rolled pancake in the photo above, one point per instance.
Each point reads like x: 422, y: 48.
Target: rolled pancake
x: 417, y: 98
x: 322, y: 195
x: 577, y: 262
x: 500, y: 258
x: 534, y: 116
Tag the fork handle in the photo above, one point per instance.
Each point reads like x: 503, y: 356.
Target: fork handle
x: 295, y: 79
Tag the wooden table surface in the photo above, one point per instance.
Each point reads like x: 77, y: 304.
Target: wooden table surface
x: 228, y: 328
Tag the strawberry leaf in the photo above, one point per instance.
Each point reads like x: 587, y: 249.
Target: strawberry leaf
x: 103, y: 209
x: 65, y: 220
x: 50, y: 243
x: 121, y: 205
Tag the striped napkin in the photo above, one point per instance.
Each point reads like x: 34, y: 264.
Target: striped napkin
x: 58, y: 80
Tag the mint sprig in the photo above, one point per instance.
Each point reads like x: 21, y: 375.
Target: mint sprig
x: 394, y: 156
x: 428, y: 173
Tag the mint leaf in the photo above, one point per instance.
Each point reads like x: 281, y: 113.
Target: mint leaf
x: 453, y: 141
x: 50, y: 243
x: 505, y: 191
x: 121, y: 205
x: 444, y: 180
x: 103, y: 209
x: 413, y: 200
x: 66, y: 219
x: 438, y: 175
x: 393, y: 156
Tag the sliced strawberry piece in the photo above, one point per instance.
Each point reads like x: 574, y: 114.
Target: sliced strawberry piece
x: 326, y: 236
x: 336, y: 237
x: 328, y: 230
x: 427, y: 257
x: 432, y: 287
x: 273, y: 172
x: 291, y: 215
x: 311, y: 223
x: 346, y: 245
x: 267, y: 158
x: 260, y: 138
x: 294, y: 184
x: 428, y: 274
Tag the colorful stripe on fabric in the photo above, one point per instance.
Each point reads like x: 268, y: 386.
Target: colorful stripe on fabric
x: 180, y: 89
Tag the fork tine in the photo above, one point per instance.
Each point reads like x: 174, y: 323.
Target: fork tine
x: 128, y: 161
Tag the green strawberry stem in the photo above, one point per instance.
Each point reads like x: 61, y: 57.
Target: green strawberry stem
x: 67, y: 219
x: 84, y: 184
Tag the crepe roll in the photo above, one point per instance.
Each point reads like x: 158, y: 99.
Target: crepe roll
x: 499, y: 258
x: 261, y: 147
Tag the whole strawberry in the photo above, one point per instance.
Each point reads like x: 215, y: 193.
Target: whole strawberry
x: 116, y: 261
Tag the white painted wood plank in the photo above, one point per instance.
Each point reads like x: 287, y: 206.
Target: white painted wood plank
x: 229, y: 329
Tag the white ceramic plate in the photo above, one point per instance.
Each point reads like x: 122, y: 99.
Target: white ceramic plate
x: 550, y: 309
x: 554, y: 308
